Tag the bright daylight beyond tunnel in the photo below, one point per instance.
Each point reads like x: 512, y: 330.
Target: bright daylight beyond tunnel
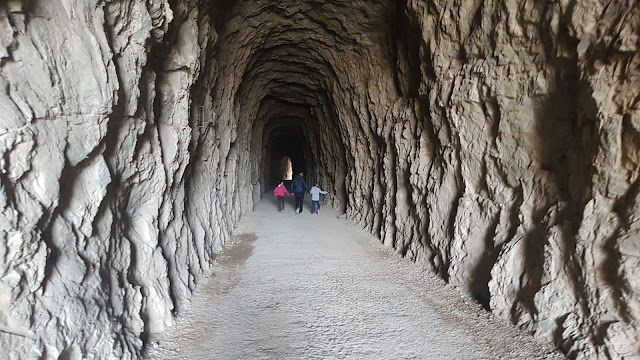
x: 495, y: 142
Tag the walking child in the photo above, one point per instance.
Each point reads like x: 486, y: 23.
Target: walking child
x: 280, y: 192
x: 315, y: 198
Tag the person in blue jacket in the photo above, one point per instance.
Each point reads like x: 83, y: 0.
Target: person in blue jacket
x: 298, y: 188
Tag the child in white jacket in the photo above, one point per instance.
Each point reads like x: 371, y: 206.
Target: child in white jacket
x: 315, y: 198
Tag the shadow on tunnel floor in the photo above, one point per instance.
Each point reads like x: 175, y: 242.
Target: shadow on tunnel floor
x: 290, y: 202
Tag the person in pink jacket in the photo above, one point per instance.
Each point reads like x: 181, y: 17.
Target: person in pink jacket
x: 280, y: 192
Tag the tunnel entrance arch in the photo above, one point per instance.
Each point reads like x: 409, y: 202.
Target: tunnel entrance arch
x: 286, y: 144
x: 286, y: 168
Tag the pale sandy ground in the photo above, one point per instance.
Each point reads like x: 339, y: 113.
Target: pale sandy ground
x: 315, y: 287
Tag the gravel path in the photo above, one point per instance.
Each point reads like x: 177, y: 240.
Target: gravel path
x: 315, y: 287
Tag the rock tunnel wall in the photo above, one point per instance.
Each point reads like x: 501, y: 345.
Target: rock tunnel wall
x: 497, y: 141
x: 104, y: 226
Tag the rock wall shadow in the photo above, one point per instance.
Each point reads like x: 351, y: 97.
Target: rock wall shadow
x: 566, y: 129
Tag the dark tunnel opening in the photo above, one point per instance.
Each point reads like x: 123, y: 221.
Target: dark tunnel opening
x: 290, y: 145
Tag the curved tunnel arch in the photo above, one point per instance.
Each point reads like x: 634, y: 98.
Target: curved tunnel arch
x: 297, y: 80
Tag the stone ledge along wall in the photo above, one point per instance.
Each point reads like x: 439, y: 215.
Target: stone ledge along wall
x: 497, y: 141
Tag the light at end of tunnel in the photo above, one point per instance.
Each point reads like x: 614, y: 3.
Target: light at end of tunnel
x: 286, y: 169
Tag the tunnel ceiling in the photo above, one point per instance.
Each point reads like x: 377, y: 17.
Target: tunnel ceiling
x: 287, y: 66
x: 493, y: 142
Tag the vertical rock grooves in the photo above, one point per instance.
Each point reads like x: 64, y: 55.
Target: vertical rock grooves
x: 495, y: 140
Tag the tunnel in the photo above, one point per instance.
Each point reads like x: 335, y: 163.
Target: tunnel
x: 496, y: 143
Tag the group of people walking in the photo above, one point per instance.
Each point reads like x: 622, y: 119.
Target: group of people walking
x: 298, y: 188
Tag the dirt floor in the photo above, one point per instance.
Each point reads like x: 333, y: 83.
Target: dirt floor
x: 302, y: 286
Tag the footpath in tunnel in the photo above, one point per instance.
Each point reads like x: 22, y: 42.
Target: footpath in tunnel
x: 300, y: 286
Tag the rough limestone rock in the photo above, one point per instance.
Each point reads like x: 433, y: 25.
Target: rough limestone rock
x: 497, y: 141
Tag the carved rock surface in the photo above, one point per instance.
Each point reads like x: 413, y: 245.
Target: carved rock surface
x: 497, y: 141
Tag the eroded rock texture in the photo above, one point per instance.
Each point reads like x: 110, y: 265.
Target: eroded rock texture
x: 496, y: 140
x: 101, y: 243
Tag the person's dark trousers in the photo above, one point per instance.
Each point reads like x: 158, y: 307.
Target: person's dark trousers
x: 315, y: 206
x: 299, y: 200
x: 280, y: 203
